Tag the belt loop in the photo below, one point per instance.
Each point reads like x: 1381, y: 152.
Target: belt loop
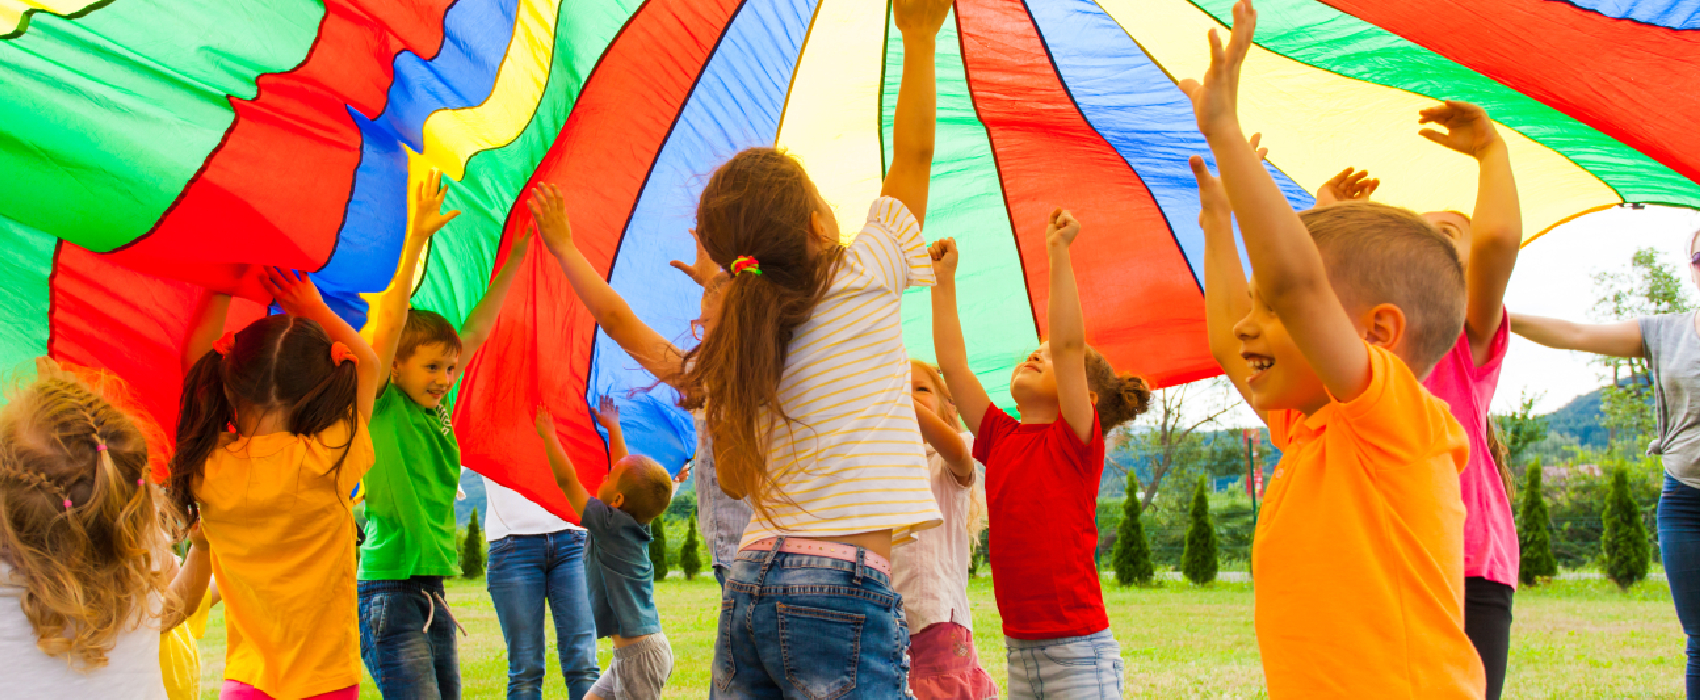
x: 861, y: 554
x: 772, y: 554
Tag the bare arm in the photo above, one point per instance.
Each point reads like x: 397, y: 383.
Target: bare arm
x: 947, y: 442
x: 917, y: 97
x: 297, y: 295
x: 565, y: 476
x: 390, y: 314
x: 608, y: 415
x: 971, y: 398
x: 209, y: 325
x: 1068, y: 327
x: 1227, y: 298
x: 1620, y: 339
x: 478, y: 324
x: 189, y: 584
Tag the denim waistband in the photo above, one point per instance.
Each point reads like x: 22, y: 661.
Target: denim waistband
x: 406, y: 585
x: 790, y: 560
x: 1014, y: 643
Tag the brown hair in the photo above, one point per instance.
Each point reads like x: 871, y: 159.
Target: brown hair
x: 647, y: 488
x: 947, y: 402
x: 425, y: 328
x: 1379, y: 254
x: 1121, y: 397
x: 91, y: 569
x: 278, y: 363
x: 759, y: 204
x: 1500, y: 456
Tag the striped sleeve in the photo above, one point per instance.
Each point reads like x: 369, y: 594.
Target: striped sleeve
x: 891, y: 249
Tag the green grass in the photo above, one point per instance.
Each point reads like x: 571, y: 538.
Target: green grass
x: 1570, y: 639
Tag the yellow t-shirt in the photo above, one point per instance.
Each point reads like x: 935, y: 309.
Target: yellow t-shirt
x: 1359, y: 550
x: 180, y: 658
x: 282, y: 533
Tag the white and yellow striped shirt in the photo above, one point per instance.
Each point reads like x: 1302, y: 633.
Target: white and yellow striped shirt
x: 852, y: 460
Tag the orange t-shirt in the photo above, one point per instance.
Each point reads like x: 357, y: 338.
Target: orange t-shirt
x: 281, y: 530
x: 1359, y: 553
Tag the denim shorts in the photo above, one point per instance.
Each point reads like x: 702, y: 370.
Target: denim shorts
x: 1088, y: 667
x: 811, y: 627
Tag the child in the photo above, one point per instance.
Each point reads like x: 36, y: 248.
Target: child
x: 932, y: 573
x: 1468, y: 374
x: 1359, y: 546
x: 622, y: 584
x: 721, y: 519
x: 272, y: 496
x: 406, y: 630
x: 1042, y: 477
x: 84, y: 584
x: 805, y: 387
x: 179, y: 652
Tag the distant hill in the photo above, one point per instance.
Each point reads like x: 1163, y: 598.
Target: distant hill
x: 1575, y: 424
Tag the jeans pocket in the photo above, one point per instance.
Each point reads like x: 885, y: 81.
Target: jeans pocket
x: 821, y: 649
x: 1072, y: 654
x: 724, y: 668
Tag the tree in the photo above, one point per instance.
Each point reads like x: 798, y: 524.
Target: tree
x: 1534, y: 531
x: 1625, y: 542
x: 1198, y: 559
x: 1132, y: 554
x: 1166, y: 435
x: 1521, y: 429
x: 658, y: 547
x: 472, y: 550
x: 689, y: 561
x: 1649, y: 288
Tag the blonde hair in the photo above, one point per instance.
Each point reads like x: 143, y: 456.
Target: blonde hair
x: 78, y: 524
x: 978, y: 513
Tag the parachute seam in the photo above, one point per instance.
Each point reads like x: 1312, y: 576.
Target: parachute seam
x: 24, y: 19
x: 879, y: 116
x: 808, y: 33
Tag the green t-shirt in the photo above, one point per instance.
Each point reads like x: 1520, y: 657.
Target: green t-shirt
x: 410, y: 491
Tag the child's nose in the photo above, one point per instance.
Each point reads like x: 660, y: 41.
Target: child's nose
x: 1245, y: 329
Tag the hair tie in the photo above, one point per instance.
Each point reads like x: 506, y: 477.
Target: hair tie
x: 745, y: 263
x: 141, y: 482
x: 224, y: 344
x: 100, y: 447
x: 67, y: 504
x: 341, y: 353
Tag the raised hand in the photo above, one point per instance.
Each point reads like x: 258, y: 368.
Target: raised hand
x: 943, y: 253
x: 1215, y: 98
x: 428, y: 216
x: 543, y: 421
x: 1062, y: 229
x: 550, y: 210
x: 608, y: 413
x: 1468, y: 129
x: 920, y: 16
x: 293, y: 291
x: 1214, y: 210
x: 1347, y: 185
x: 684, y: 473
x: 704, y: 269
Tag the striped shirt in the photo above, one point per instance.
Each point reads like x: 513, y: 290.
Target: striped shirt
x: 851, y: 460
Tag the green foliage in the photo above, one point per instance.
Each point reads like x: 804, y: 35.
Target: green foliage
x: 1649, y: 288
x: 689, y: 561
x: 472, y: 549
x: 978, y: 557
x: 658, y: 547
x: 1521, y: 429
x: 1198, y: 561
x: 1534, y: 532
x: 1132, y: 554
x: 1627, y: 556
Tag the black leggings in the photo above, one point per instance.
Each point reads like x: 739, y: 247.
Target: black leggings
x: 1487, y: 621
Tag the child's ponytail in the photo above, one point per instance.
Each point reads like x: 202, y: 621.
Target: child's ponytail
x: 1121, y: 397
x: 203, y: 415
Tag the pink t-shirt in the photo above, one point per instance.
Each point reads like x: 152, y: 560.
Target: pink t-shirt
x: 1490, y: 528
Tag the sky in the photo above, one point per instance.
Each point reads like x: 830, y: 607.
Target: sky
x: 1555, y: 277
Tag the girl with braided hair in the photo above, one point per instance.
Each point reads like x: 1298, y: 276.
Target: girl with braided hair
x: 86, y: 572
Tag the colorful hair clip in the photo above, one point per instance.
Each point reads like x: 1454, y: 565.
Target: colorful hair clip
x: 224, y: 344
x: 67, y: 504
x: 100, y: 447
x: 745, y: 263
x: 341, y: 353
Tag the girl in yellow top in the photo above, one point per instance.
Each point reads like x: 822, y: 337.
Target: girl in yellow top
x: 273, y: 496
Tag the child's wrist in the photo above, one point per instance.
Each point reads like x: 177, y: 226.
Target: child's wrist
x: 1495, y: 148
x: 915, y: 39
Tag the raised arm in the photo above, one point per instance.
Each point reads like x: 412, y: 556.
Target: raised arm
x: 1227, y: 298
x: 611, y: 312
x: 476, y: 330
x: 971, y: 398
x: 389, y: 315
x: 1497, y: 224
x: 947, y: 442
x: 565, y: 476
x: 190, y: 583
x: 297, y: 296
x: 1068, y: 327
x: 1620, y: 339
x: 209, y: 325
x: 608, y: 415
x: 1288, y: 270
x: 917, y: 97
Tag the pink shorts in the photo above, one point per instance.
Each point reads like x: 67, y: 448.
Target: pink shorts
x: 237, y: 690
x: 944, y: 666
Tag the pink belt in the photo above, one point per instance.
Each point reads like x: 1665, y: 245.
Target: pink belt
x: 830, y: 550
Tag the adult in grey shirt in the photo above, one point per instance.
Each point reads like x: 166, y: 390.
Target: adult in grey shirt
x: 1671, y: 344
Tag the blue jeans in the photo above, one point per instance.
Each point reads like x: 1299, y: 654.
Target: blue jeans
x: 1679, y: 546
x: 1068, y: 668
x: 809, y: 627
x: 407, y: 639
x: 525, y: 571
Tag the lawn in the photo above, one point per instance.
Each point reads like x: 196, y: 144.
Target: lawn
x: 1571, y: 639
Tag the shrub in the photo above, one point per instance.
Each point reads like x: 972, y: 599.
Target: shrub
x: 1132, y: 554
x: 1627, y: 555
x: 1534, y: 531
x: 689, y: 561
x: 472, y: 550
x: 658, y: 547
x: 1198, y: 560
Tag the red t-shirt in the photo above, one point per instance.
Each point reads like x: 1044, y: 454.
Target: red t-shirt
x: 1042, y: 491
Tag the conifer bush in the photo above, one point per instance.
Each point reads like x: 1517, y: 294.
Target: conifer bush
x: 1132, y: 553
x: 1627, y: 554
x: 689, y: 561
x: 658, y: 547
x: 1198, y: 560
x: 1534, y: 532
x: 472, y: 550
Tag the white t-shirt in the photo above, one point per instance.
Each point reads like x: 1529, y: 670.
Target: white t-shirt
x: 852, y: 461
x: 131, y: 671
x: 931, y: 573
x: 509, y: 513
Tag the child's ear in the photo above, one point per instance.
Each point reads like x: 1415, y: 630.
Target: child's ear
x: 1384, y: 326
x: 618, y: 500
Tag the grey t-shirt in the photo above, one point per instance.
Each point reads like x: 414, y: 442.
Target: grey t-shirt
x: 621, y: 578
x: 1673, y: 353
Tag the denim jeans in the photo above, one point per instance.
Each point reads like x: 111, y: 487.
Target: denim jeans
x: 809, y: 627
x: 407, y: 639
x: 526, y: 571
x: 1068, y: 668
x: 1679, y: 546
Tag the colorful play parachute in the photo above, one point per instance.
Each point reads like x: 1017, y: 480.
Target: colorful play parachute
x: 151, y: 150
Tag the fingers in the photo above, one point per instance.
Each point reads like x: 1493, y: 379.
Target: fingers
x: 1433, y: 135
x: 1201, y: 171
x: 1218, y: 55
x: 1189, y: 86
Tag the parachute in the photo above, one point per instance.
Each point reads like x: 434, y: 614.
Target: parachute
x: 155, y: 150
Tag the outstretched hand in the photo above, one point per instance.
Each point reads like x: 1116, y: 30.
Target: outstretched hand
x: 920, y: 16
x: 1215, y: 98
x: 608, y: 413
x: 684, y: 473
x: 1061, y: 229
x: 293, y: 291
x: 1214, y: 210
x: 1345, y: 186
x: 549, y: 209
x: 704, y: 270
x: 428, y: 195
x: 543, y: 421
x: 1468, y: 129
x: 943, y: 253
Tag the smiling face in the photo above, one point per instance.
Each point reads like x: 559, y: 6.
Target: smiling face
x: 1456, y: 227
x: 1281, y: 377
x: 427, y: 375
x: 1033, y: 381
